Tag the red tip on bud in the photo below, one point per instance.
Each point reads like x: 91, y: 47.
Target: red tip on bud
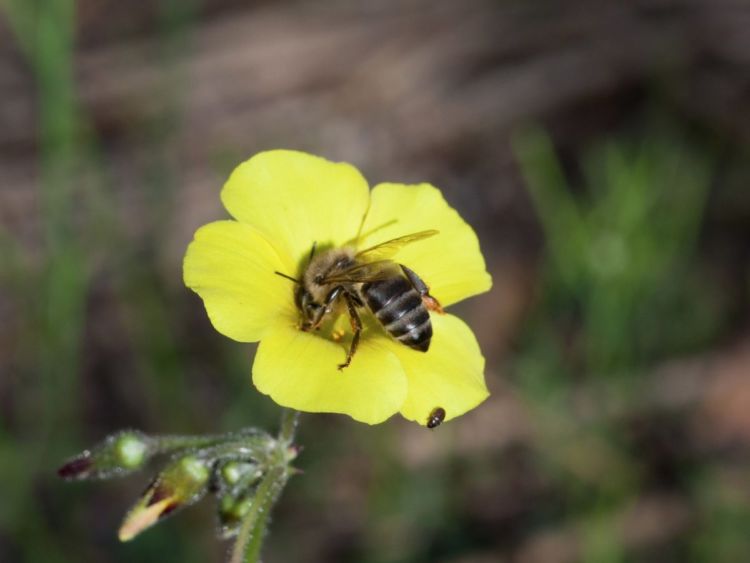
x: 119, y: 454
x: 180, y: 484
x: 76, y: 468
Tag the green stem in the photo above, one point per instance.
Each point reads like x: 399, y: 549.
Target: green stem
x: 250, y: 537
x: 168, y: 443
x: 253, y: 530
x: 289, y: 421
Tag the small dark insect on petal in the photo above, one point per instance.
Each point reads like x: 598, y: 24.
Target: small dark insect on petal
x: 436, y: 417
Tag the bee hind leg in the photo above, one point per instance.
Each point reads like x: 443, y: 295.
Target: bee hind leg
x: 418, y: 284
x: 356, y: 323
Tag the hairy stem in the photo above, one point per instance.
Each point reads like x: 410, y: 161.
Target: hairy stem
x: 175, y: 442
x: 250, y: 537
x: 289, y: 420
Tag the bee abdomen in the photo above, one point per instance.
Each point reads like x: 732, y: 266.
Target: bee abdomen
x: 399, y: 309
x: 417, y: 336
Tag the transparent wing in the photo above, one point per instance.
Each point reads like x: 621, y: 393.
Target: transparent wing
x: 367, y: 272
x: 387, y: 249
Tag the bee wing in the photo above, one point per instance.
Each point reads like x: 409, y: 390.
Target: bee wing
x: 388, y: 248
x: 367, y: 272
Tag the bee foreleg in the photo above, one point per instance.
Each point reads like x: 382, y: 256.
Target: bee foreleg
x: 418, y: 284
x: 326, y: 307
x: 356, y: 323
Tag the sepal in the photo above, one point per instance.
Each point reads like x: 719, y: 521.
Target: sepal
x: 182, y: 483
x: 119, y: 454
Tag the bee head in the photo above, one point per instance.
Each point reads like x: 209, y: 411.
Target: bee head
x: 305, y: 303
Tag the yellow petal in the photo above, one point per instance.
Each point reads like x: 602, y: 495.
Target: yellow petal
x: 299, y: 370
x: 143, y: 517
x: 450, y: 263
x: 449, y: 375
x: 295, y: 199
x: 231, y: 266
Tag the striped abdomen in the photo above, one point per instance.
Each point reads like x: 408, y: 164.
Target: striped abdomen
x: 399, y: 308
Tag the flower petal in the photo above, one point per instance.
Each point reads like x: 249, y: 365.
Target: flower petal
x: 300, y: 370
x: 450, y: 263
x: 449, y: 375
x: 295, y: 199
x: 231, y: 266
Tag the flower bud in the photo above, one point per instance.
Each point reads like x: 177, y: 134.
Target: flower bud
x: 232, y: 510
x: 236, y: 476
x: 182, y: 483
x: 119, y: 454
x: 233, y: 471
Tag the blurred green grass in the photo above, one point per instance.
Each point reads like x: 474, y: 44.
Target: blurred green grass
x: 617, y: 295
x: 618, y: 291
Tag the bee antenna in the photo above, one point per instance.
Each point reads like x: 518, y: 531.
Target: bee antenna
x: 312, y: 251
x: 295, y: 280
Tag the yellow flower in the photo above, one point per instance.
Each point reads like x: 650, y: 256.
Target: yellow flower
x: 283, y: 203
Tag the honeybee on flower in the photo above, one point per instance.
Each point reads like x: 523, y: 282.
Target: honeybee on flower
x: 396, y: 295
x: 398, y: 254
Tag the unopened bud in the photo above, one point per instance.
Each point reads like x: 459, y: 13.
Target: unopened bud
x: 237, y: 476
x: 233, y: 471
x: 119, y: 454
x: 232, y: 511
x: 182, y: 483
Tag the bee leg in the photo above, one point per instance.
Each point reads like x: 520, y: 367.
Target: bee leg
x: 325, y: 308
x: 356, y: 323
x: 417, y: 283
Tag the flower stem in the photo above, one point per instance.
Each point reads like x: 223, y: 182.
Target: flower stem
x: 250, y: 537
x: 289, y: 421
x: 175, y: 442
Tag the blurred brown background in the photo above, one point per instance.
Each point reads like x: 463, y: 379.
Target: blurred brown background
x: 599, y: 148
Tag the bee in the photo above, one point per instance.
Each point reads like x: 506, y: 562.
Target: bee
x: 436, y: 417
x: 345, y: 280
